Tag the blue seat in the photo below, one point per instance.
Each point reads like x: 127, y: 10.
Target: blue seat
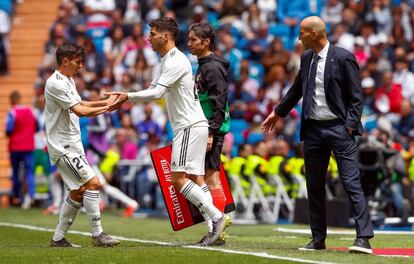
x: 255, y: 137
x: 238, y: 138
x: 279, y: 30
x: 238, y: 126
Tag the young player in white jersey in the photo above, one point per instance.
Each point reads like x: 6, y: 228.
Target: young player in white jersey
x: 189, y: 124
x: 63, y: 108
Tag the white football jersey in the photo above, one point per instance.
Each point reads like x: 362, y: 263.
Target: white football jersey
x: 183, y: 105
x: 62, y: 125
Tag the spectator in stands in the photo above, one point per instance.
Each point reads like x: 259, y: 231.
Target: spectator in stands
x: 230, y: 11
x: 94, y: 62
x: 238, y: 99
x: 127, y: 84
x: 289, y: 14
x: 276, y: 83
x: 405, y: 126
x: 113, y: 45
x: 368, y: 93
x: 49, y: 58
x: 378, y: 45
x: 126, y: 123
x: 97, y: 128
x: 342, y: 38
x: 268, y: 8
x: 258, y: 45
x: 403, y: 76
x: 147, y: 126
x: 372, y: 71
x: 275, y: 54
x: 401, y: 17
x: 142, y: 72
x: 388, y: 97
x: 253, y: 18
x: 332, y: 12
x: 248, y: 84
x: 293, y: 64
x: 231, y: 53
x: 21, y: 129
x: 360, y: 52
x: 5, y: 27
x: 351, y: 21
x: 135, y: 45
x: 99, y: 12
x: 157, y: 10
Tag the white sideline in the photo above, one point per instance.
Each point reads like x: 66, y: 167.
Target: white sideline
x: 341, y: 232
x: 229, y: 251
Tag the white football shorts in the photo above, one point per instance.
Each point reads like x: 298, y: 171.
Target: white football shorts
x: 189, y: 150
x: 75, y: 170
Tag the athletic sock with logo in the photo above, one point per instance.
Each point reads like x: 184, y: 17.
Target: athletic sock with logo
x: 196, y: 196
x: 67, y: 215
x: 91, y: 204
x: 207, y: 192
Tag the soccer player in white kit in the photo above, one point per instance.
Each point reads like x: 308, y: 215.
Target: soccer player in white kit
x: 63, y: 109
x: 175, y: 81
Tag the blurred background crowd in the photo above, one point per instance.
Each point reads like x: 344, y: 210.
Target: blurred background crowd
x: 260, y: 39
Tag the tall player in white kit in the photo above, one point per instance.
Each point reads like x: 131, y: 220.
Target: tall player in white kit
x: 63, y: 109
x: 175, y: 81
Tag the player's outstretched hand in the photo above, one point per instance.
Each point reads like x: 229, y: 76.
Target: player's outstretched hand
x: 270, y: 122
x: 115, y: 100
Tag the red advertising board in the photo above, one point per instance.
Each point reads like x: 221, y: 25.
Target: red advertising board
x: 181, y: 212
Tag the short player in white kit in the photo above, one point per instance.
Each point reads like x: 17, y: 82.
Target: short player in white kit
x: 63, y: 109
x: 175, y: 81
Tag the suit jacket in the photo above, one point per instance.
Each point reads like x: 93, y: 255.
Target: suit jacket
x: 342, y: 88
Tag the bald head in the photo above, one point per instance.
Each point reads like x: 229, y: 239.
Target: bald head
x: 314, y: 23
x: 312, y: 33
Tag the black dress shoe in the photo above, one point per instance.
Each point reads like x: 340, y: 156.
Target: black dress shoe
x: 314, y: 245
x: 361, y: 245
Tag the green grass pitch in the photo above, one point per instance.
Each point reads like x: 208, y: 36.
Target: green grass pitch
x: 245, y: 244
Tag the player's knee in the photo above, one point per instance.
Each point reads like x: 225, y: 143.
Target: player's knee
x: 77, y: 195
x: 93, y: 184
x: 178, y: 181
x: 212, y: 180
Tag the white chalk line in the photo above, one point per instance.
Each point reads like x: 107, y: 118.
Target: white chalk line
x: 228, y: 251
x: 341, y: 232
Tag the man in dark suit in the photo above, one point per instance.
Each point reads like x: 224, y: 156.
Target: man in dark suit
x: 329, y: 83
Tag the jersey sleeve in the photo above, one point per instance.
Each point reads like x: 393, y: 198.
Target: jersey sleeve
x: 62, y: 95
x: 171, y: 73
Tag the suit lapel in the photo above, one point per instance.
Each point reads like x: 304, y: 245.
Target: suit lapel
x: 330, y: 59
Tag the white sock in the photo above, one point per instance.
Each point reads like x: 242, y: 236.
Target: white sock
x: 120, y: 196
x: 207, y: 192
x: 196, y: 196
x: 67, y: 215
x: 91, y: 204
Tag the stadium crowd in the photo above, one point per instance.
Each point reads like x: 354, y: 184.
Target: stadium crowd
x: 260, y: 39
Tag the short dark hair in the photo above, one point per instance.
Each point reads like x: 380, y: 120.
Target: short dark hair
x: 15, y: 97
x: 70, y: 51
x: 204, y: 31
x: 165, y: 24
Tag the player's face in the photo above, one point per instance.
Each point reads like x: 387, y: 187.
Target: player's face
x: 74, y: 65
x: 157, y: 39
x: 196, y: 45
x: 306, y: 36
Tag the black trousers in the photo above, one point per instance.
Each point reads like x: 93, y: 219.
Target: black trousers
x: 320, y: 138
x: 4, y: 68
